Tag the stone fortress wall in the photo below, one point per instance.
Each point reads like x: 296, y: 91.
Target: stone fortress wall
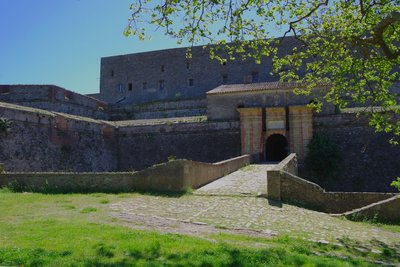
x: 154, y: 110
x: 41, y: 140
x: 55, y: 98
x: 54, y: 140
x: 169, y: 75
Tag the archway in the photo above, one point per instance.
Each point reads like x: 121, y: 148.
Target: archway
x: 276, y: 148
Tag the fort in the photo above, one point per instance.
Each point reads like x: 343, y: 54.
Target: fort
x: 158, y: 105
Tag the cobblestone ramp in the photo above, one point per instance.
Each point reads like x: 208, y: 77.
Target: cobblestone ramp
x: 248, y: 181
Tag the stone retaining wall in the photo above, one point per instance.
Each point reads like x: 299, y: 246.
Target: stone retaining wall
x: 198, y: 174
x: 41, y: 140
x: 284, y: 185
x: 146, y: 145
x: 385, y: 210
x: 172, y: 176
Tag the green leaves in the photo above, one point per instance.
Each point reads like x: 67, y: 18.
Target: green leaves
x: 352, y: 45
x: 396, y: 183
x: 323, y: 159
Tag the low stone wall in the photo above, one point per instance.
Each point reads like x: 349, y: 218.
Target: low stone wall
x: 172, y: 176
x: 199, y: 173
x: 284, y: 185
x: 385, y: 210
x: 289, y: 164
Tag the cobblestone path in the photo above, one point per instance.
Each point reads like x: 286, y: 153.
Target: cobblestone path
x: 250, y: 180
x: 220, y: 207
x: 196, y: 214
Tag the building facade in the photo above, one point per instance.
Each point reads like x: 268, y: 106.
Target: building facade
x: 169, y: 75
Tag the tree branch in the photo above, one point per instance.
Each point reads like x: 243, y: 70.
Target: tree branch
x: 378, y: 38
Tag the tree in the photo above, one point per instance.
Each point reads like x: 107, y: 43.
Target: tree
x: 351, y: 44
x: 323, y: 160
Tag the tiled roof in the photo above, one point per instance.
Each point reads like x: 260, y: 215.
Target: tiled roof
x: 265, y: 86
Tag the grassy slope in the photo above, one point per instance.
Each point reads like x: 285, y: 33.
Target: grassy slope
x: 74, y: 230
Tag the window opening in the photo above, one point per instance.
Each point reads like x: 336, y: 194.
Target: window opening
x: 254, y: 76
x: 224, y: 78
x: 120, y: 87
x: 162, y: 84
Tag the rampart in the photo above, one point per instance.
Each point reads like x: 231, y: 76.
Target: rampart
x: 144, y: 145
x: 369, y: 162
x: 41, y: 140
x: 284, y: 185
x: 54, y: 98
x: 172, y: 176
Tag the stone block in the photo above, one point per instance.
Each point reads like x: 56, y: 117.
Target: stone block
x: 274, y: 185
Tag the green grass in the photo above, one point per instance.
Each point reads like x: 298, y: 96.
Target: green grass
x: 88, y: 210
x: 44, y: 230
x: 247, y: 168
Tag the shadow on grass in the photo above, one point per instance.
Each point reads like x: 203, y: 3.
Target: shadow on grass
x: 290, y: 254
x: 375, y: 251
x: 16, y: 188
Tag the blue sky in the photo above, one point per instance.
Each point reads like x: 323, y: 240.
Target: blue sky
x: 61, y: 41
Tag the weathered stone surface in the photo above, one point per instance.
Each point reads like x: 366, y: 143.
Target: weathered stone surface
x: 146, y: 71
x: 47, y: 141
x: 207, y: 142
x: 54, y: 98
x: 245, y: 213
x: 370, y: 163
x: 172, y: 176
x: 387, y: 210
x: 293, y: 189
